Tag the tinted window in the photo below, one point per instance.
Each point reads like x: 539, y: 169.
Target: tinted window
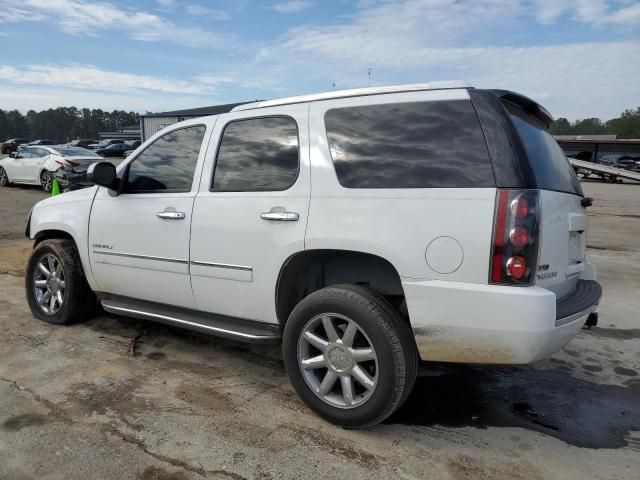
x: 168, y: 164
x: 551, y: 169
x: 409, y: 145
x: 257, y: 155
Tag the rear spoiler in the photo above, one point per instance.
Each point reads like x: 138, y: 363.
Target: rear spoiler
x: 528, y: 105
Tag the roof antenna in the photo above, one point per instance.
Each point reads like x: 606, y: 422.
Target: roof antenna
x: 369, y: 75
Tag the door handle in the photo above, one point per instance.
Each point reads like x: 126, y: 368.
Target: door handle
x: 171, y: 215
x: 280, y: 216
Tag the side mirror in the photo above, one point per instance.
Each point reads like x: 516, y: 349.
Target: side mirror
x: 13, y: 154
x: 103, y: 174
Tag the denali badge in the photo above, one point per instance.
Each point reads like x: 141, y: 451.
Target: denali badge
x: 547, y: 275
x: 100, y: 245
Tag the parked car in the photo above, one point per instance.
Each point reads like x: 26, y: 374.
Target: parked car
x: 40, y: 165
x: 38, y: 143
x: 81, y: 143
x: 113, y: 150
x: 134, y: 146
x: 444, y: 224
x: 105, y: 143
x: 12, y: 145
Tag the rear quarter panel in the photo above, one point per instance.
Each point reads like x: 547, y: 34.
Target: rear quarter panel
x: 397, y: 224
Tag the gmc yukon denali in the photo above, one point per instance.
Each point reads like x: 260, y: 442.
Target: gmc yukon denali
x: 367, y: 230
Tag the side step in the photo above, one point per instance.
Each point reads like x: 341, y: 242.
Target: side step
x: 209, y: 323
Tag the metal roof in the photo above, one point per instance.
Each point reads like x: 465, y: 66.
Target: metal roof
x: 355, y: 92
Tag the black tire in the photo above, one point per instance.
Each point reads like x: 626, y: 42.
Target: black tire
x: 4, y: 178
x: 79, y: 302
x: 46, y: 181
x: 389, y: 335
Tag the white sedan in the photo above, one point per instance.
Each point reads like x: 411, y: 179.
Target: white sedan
x: 40, y: 165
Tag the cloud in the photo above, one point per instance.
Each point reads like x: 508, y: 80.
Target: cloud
x: 572, y: 79
x: 93, y: 78
x: 595, y: 12
x: 292, y: 6
x: 200, y: 11
x: 80, y: 17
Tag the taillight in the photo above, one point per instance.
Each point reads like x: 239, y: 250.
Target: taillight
x: 514, y: 250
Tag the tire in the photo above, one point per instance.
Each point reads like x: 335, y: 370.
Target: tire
x: 4, y: 178
x: 78, y: 300
x: 46, y: 181
x: 390, y: 374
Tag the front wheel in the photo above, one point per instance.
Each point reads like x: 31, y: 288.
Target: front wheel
x: 46, y: 180
x: 56, y: 288
x: 4, y: 178
x: 349, y: 355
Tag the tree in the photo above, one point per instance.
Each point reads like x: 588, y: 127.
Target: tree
x: 627, y: 125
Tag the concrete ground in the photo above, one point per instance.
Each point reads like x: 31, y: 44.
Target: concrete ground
x: 115, y: 398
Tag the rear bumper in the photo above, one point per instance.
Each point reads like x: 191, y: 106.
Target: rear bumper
x: 472, y: 323
x: 66, y: 179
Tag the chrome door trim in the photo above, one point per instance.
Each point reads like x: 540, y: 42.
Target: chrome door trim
x: 167, y: 318
x: 200, y: 263
x: 141, y: 257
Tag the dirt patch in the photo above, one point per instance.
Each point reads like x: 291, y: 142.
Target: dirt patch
x: 205, y: 397
x: 14, y: 256
x: 334, y: 445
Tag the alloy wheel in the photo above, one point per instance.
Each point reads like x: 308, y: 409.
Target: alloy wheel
x: 337, y: 360
x: 4, y: 179
x: 49, y: 284
x: 47, y: 181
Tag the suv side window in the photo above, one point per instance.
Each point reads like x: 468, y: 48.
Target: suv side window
x: 168, y: 164
x: 258, y: 154
x: 409, y: 145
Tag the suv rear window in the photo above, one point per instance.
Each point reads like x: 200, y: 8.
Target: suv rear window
x: 551, y: 169
x: 409, y: 145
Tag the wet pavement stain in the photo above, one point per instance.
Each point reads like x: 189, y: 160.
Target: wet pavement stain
x: 617, y: 333
x: 18, y: 422
x: 579, y: 412
x: 627, y: 372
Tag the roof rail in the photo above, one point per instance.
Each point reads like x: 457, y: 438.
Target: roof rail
x: 355, y: 92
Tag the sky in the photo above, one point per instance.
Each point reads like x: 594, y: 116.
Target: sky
x: 578, y: 58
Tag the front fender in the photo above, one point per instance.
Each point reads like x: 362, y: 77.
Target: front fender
x: 68, y: 213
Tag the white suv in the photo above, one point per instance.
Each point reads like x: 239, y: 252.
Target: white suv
x: 366, y: 229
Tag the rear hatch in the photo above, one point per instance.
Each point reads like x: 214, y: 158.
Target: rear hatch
x: 563, y: 219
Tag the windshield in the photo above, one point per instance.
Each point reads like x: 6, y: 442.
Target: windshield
x: 550, y: 165
x: 74, y: 152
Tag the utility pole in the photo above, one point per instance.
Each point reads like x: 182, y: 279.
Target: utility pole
x: 369, y: 79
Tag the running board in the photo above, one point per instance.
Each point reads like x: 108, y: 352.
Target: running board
x: 204, y: 322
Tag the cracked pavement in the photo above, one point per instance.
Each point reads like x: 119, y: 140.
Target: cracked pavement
x: 117, y: 398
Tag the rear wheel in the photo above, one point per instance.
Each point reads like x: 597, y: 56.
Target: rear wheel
x: 56, y: 288
x: 46, y: 180
x: 349, y: 355
x: 4, y: 178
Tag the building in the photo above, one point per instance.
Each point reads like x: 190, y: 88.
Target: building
x: 150, y: 123
x: 129, y: 132
x: 594, y: 147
